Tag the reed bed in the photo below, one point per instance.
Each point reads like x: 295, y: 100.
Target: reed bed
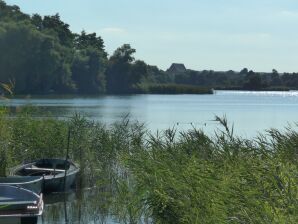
x: 169, y: 176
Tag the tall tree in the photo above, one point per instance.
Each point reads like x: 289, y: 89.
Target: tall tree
x: 88, y: 71
x: 84, y: 41
x: 37, y: 21
x: 253, y: 81
x: 31, y: 58
x: 275, y: 78
x: 11, y: 13
x: 54, y: 24
x: 89, y: 64
x: 120, y: 75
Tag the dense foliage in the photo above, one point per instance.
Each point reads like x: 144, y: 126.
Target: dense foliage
x: 243, y: 80
x: 169, y: 177
x: 41, y: 55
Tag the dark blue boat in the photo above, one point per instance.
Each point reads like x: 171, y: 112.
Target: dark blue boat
x: 34, y: 184
x: 19, y: 205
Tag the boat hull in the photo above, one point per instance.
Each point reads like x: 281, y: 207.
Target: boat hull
x: 18, y: 220
x: 58, y: 175
x: 34, y: 184
x: 19, y: 205
x: 56, y: 183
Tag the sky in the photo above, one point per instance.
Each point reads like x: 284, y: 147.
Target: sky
x: 203, y: 34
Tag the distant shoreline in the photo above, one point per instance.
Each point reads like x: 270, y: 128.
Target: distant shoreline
x: 54, y: 95
x: 277, y: 89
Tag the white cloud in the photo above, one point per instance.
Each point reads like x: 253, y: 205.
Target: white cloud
x: 113, y: 30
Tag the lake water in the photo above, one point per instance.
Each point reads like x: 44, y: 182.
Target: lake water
x: 250, y: 112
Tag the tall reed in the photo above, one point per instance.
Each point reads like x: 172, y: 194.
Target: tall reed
x: 168, y: 177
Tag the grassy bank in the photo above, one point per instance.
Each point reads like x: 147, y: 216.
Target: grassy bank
x: 168, y: 177
x: 171, y: 89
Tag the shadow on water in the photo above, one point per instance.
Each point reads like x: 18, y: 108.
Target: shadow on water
x: 75, y: 207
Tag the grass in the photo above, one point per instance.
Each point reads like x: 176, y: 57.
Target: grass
x: 169, y: 177
x: 171, y: 89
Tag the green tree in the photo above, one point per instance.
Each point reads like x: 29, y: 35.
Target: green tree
x: 88, y: 71
x: 89, y: 64
x: 119, y: 73
x: 37, y: 21
x: 54, y: 25
x: 275, y: 78
x: 11, y: 13
x: 157, y: 75
x: 244, y: 71
x: 31, y: 58
x: 253, y: 81
x: 84, y: 41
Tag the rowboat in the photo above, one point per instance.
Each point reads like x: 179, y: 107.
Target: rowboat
x: 19, y: 205
x: 59, y: 174
x: 30, y: 183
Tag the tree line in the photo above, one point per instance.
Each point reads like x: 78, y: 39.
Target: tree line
x: 41, y: 55
x: 243, y: 80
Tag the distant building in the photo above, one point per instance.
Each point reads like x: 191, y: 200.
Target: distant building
x: 176, y: 69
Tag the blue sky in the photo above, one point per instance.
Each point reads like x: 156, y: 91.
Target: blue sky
x: 202, y: 34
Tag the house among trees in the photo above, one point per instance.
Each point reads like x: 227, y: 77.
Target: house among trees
x: 176, y: 69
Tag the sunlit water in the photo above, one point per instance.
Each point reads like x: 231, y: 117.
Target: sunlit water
x: 250, y: 112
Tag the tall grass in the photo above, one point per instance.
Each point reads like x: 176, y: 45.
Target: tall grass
x: 169, y: 177
x: 224, y: 179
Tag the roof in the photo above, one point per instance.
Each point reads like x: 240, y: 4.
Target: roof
x: 177, y: 68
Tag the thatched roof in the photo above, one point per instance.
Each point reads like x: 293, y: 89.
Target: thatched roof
x: 176, y: 68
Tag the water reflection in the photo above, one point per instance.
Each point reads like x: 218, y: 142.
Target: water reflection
x: 86, y: 207
x: 251, y: 112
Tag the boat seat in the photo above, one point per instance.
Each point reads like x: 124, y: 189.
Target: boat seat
x: 43, y: 169
x: 5, y: 199
x: 14, y: 202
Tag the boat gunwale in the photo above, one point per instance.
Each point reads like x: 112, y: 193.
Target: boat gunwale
x: 69, y: 171
x: 23, y: 183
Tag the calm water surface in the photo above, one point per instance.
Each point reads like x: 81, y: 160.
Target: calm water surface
x: 250, y: 112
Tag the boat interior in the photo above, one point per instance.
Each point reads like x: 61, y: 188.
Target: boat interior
x: 44, y: 167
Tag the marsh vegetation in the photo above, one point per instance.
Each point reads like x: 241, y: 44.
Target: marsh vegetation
x: 166, y: 177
